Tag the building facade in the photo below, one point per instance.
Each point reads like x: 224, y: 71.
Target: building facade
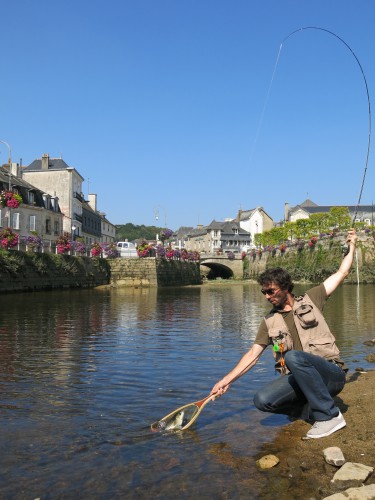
x: 81, y: 217
x: 254, y: 221
x: 54, y: 176
x: 38, y: 213
x: 361, y: 213
x: 218, y: 237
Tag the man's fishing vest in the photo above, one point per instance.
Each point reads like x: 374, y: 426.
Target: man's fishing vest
x: 312, y: 329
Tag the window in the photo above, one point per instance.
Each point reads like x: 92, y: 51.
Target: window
x: 47, y: 201
x: 48, y: 226
x: 31, y: 199
x: 16, y: 220
x: 57, y: 228
x: 32, y: 223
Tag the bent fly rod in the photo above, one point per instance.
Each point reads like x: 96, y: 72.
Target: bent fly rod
x: 367, y: 94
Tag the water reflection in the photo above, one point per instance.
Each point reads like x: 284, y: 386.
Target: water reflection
x: 84, y: 373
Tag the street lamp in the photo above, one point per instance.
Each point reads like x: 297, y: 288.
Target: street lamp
x: 156, y: 210
x: 73, y: 230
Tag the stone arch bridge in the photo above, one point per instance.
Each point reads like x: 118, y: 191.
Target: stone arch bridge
x: 219, y: 266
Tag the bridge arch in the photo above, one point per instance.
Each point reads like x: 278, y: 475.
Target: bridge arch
x: 213, y: 270
x: 221, y: 267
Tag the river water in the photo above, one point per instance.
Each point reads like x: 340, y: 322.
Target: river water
x: 85, y: 372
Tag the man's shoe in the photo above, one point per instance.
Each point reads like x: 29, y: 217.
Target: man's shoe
x: 326, y: 427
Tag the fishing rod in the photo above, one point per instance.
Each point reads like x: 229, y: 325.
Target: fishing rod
x: 368, y: 104
x: 367, y: 94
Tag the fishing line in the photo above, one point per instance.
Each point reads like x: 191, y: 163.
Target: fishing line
x: 367, y: 93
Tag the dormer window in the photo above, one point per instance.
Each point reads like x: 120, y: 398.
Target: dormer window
x: 47, y: 201
x: 54, y: 203
x: 31, y: 198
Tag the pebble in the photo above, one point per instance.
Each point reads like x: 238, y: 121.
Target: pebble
x: 334, y: 456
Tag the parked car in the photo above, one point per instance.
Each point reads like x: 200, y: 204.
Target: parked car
x: 127, y: 249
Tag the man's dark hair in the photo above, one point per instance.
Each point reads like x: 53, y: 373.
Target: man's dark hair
x: 278, y: 276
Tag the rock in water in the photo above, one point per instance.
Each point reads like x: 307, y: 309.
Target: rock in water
x: 267, y: 462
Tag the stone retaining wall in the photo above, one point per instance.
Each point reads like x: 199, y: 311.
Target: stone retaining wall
x: 150, y: 271
x: 21, y: 271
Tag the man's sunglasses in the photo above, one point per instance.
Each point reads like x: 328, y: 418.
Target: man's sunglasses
x: 270, y: 291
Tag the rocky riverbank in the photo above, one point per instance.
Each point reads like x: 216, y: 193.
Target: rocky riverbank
x: 303, y: 472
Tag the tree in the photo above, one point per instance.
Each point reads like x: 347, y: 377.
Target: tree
x: 290, y: 228
x: 132, y: 232
x: 320, y: 222
x: 339, y: 218
x: 303, y: 228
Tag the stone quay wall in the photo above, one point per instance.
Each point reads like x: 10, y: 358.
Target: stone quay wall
x: 23, y: 271
x: 320, y: 261
x: 150, y: 272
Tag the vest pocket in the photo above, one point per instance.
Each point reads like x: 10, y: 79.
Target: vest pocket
x: 281, y: 340
x: 306, y: 316
x: 323, y: 347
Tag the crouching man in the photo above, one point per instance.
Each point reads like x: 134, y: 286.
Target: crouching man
x: 305, y: 351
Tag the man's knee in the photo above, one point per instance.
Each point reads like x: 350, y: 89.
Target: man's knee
x: 261, y: 402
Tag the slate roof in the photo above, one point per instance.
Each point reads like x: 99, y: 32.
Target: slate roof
x: 182, y: 232
x: 246, y: 214
x: 365, y: 211
x: 197, y: 231
x: 227, y: 227
x: 22, y: 186
x: 53, y: 164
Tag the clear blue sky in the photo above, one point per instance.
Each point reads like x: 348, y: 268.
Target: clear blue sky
x: 168, y: 106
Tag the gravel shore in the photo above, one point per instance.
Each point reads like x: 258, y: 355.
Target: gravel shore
x: 303, y: 472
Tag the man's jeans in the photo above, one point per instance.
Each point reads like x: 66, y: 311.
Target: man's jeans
x: 312, y: 380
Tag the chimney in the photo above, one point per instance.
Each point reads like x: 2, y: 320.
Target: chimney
x: 14, y: 169
x: 45, y: 161
x: 286, y: 212
x: 92, y: 201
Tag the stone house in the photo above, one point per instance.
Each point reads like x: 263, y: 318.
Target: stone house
x: 362, y: 213
x: 108, y: 230
x: 81, y: 217
x: 39, y: 211
x: 254, y: 221
x: 227, y: 236
x: 53, y: 175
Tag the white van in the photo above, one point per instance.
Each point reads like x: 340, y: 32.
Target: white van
x: 127, y: 249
